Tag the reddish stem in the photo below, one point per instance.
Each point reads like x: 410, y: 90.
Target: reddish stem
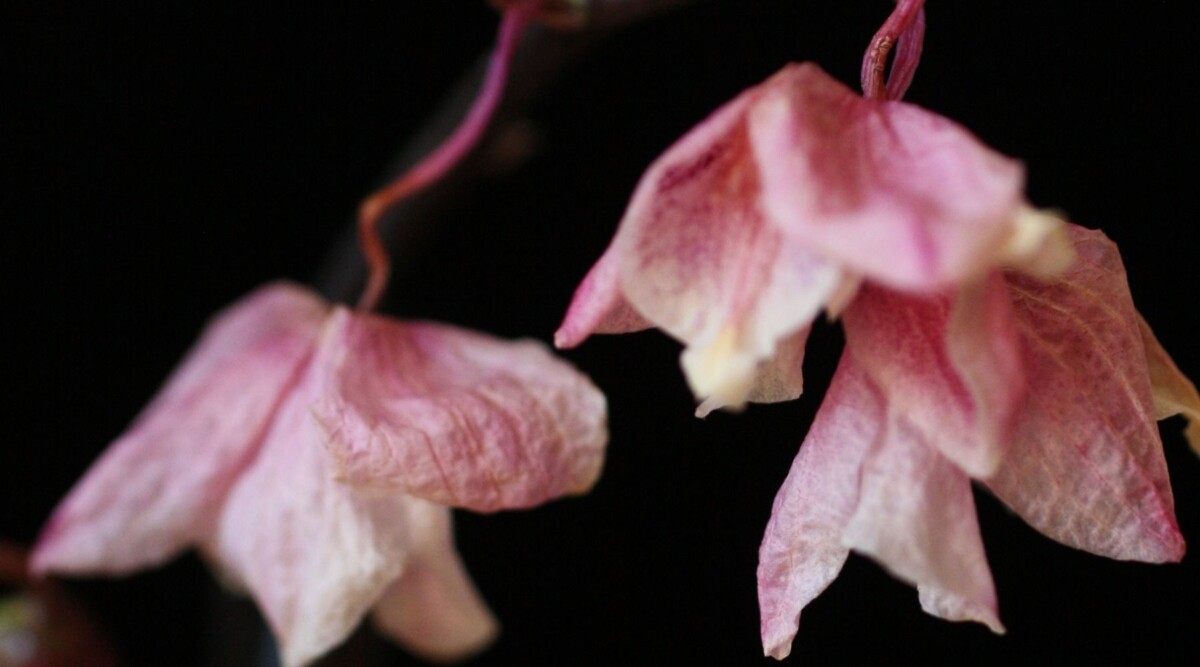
x: 904, y: 30
x: 442, y: 159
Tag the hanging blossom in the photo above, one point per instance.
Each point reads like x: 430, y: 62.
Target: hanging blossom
x: 985, y: 340
x: 313, y: 453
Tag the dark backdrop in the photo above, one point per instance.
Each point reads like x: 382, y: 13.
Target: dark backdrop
x: 162, y: 158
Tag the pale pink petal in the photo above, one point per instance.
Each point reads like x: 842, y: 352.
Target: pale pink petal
x: 457, y: 417
x: 1173, y: 393
x: 157, y: 488
x: 903, y: 196
x: 433, y: 609
x: 802, y: 550
x: 953, y: 369
x: 780, y: 378
x: 916, y: 516
x: 1086, y: 465
x: 697, y: 259
x: 315, y: 553
x: 598, y: 306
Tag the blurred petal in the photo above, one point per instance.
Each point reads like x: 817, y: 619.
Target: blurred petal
x: 916, y: 516
x: 1173, y: 393
x: 315, y: 553
x: 952, y: 370
x: 457, y: 417
x: 780, y: 378
x: 1086, y: 465
x: 433, y: 609
x: 904, y: 196
x: 157, y: 488
x: 802, y: 550
x: 598, y: 306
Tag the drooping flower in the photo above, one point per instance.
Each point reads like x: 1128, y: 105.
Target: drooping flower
x: 985, y: 340
x: 779, y: 205
x: 313, y: 453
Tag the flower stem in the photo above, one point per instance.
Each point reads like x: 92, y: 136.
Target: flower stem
x: 905, y: 31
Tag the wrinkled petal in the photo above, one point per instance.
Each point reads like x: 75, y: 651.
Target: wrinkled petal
x: 802, y: 550
x: 1173, y: 393
x: 433, y: 609
x: 953, y: 369
x: 916, y: 516
x: 1086, y: 465
x: 697, y: 259
x: 904, y: 196
x: 598, y: 306
x: 457, y: 417
x: 315, y: 553
x: 158, y: 487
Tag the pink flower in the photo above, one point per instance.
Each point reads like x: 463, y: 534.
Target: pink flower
x: 984, y: 340
x: 777, y: 206
x: 312, y: 454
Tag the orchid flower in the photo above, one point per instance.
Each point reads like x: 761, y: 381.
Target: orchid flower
x: 313, y: 453
x: 985, y: 340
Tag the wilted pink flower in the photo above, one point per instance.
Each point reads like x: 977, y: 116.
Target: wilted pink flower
x: 984, y: 340
x: 777, y: 206
x: 312, y: 454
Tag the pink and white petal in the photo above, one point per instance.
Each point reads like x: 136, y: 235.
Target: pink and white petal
x: 457, y: 417
x: 901, y: 195
x: 598, y: 306
x: 434, y: 609
x: 1086, y: 465
x: 951, y: 367
x: 698, y: 259
x: 802, y: 550
x: 780, y: 378
x: 315, y: 553
x: 1173, y: 393
x: 916, y: 516
x: 158, y: 487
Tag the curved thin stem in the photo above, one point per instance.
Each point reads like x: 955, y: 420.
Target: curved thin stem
x: 904, y: 30
x: 442, y: 159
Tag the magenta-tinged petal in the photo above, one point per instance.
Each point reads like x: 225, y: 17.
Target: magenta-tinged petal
x: 457, y: 417
x: 903, y: 196
x: 433, y: 609
x: 1086, y: 465
x: 598, y: 306
x: 698, y: 259
x: 157, y: 488
x: 802, y: 551
x: 916, y: 516
x: 1173, y: 393
x: 953, y: 370
x: 314, y: 552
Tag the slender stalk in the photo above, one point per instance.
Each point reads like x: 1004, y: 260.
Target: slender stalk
x: 904, y: 30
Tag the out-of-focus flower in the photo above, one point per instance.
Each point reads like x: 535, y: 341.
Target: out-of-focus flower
x: 779, y: 205
x: 313, y: 453
x: 1081, y: 459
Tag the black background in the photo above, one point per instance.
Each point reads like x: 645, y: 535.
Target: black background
x: 162, y: 158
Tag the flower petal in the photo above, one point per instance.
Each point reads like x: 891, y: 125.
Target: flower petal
x: 916, y: 516
x: 1173, y: 393
x: 904, y: 196
x: 457, y: 417
x: 598, y: 306
x: 1086, y: 465
x: 158, y: 487
x: 698, y: 259
x: 952, y: 370
x: 802, y: 550
x: 315, y: 553
x: 433, y: 609
x: 780, y: 378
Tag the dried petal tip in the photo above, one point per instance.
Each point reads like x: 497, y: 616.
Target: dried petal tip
x: 1173, y: 393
